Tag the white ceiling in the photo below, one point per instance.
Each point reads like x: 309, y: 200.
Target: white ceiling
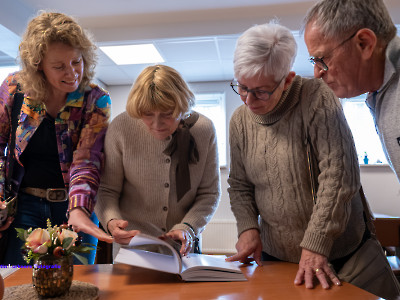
x: 195, y: 37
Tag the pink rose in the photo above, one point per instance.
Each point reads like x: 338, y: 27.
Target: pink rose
x: 38, y: 241
x: 66, y: 233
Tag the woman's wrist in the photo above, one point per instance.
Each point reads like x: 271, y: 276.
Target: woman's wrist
x: 108, y: 226
x: 190, y: 230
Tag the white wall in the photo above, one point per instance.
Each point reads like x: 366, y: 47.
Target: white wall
x: 382, y: 189
x: 379, y: 182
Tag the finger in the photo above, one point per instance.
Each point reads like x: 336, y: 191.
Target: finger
x: 132, y: 233
x: 257, y: 256
x: 237, y: 257
x: 102, y: 236
x: 124, y: 237
x: 115, y: 225
x: 308, y: 277
x: 321, y: 276
x: 97, y: 233
x: 332, y: 276
x: 299, y: 277
x: 186, y: 245
x: 174, y: 236
x: 182, y: 250
x: 123, y: 234
x: 122, y: 224
x: 187, y: 250
x: 190, y: 246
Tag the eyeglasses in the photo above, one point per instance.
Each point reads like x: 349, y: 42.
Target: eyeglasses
x: 258, y: 94
x: 319, y: 61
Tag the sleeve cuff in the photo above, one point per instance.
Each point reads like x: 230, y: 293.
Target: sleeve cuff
x: 247, y: 224
x: 317, y: 243
x: 81, y: 201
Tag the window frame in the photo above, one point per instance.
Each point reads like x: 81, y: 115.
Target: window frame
x: 215, y: 99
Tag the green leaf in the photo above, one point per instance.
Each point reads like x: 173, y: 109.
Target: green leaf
x: 80, y: 258
x: 85, y: 249
x: 21, y: 233
x: 67, y: 242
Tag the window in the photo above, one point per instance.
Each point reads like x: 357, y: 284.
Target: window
x: 363, y: 129
x: 4, y: 71
x: 212, y: 105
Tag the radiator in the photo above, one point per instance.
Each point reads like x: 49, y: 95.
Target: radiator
x: 219, y: 237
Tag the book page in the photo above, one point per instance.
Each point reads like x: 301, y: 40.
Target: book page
x: 144, y: 239
x: 201, y: 267
x: 136, y: 254
x: 148, y: 260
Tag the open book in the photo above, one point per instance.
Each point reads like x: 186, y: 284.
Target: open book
x: 193, y: 267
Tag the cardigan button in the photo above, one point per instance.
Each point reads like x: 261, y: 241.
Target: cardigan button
x: 167, y: 160
x: 165, y: 208
x: 166, y: 184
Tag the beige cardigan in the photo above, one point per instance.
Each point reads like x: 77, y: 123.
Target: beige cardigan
x: 138, y: 182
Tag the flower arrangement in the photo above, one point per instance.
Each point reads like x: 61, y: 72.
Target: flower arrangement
x: 56, y: 240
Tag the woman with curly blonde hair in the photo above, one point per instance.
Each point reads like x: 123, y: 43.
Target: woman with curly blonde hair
x: 60, y: 133
x: 45, y: 29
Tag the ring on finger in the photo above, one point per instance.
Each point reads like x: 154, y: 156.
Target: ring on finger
x: 317, y: 270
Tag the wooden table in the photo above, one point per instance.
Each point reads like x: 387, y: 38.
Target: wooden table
x: 272, y: 281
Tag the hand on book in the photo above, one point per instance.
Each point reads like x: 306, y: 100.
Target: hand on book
x: 117, y: 229
x: 184, y: 237
x: 249, y: 248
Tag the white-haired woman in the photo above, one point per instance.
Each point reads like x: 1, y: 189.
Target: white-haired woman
x: 279, y: 217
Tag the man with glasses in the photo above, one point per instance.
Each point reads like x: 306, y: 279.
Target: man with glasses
x: 355, y: 50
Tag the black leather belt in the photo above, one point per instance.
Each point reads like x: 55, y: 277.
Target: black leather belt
x: 52, y: 195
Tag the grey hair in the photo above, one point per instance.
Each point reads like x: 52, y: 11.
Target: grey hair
x: 337, y: 19
x: 267, y: 49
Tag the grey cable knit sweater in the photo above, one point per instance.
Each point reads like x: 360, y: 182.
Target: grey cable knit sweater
x: 138, y: 182
x: 269, y: 175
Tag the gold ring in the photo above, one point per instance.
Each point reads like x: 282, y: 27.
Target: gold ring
x: 317, y: 270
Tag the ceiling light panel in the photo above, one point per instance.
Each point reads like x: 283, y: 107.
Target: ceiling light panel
x: 133, y: 54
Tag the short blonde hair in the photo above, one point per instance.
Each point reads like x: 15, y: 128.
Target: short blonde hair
x: 159, y: 88
x: 47, y: 28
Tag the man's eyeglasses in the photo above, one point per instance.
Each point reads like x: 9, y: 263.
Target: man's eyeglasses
x: 319, y: 61
x: 258, y: 94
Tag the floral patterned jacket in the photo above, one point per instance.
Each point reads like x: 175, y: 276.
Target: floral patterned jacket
x: 80, y: 129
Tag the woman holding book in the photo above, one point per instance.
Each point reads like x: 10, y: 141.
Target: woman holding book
x: 282, y: 212
x: 161, y: 172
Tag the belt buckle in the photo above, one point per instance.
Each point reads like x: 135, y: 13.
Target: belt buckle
x: 56, y: 195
